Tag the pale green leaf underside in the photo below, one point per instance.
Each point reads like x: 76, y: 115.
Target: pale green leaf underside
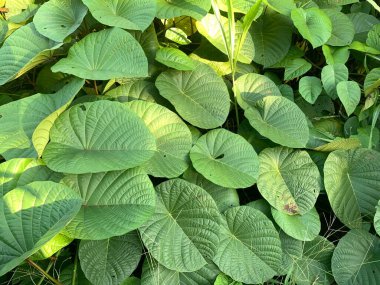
x: 280, y: 120
x: 108, y: 54
x: 199, y: 96
x: 184, y: 230
x: 304, y: 228
x: 225, y: 159
x: 175, y: 58
x: 20, y: 118
x: 313, y: 24
x: 250, y: 248
x: 56, y: 19
x: 289, y: 180
x: 30, y: 216
x: 175, y: 8
x: 154, y: 273
x: 110, y: 261
x: 23, y: 50
x: 173, y: 139
x: 210, y: 29
x: 352, y: 180
x: 126, y: 14
x: 97, y: 137
x: 114, y: 203
x: 356, y: 259
x: 252, y: 87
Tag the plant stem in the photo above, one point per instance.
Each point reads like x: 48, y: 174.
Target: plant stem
x: 75, y: 270
x: 4, y: 10
x: 96, y: 88
x: 47, y: 275
x: 374, y: 5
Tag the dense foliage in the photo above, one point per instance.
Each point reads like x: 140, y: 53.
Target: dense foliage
x: 191, y: 142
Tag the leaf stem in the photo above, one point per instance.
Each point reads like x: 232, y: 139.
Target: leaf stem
x: 75, y: 270
x: 4, y: 10
x: 47, y: 275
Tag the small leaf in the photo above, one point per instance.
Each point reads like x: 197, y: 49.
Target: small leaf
x: 313, y: 24
x: 296, y: 68
x: 331, y: 75
x: 310, y: 87
x: 343, y: 30
x: 177, y: 35
x: 175, y: 8
x: 175, y: 58
x: 349, y: 95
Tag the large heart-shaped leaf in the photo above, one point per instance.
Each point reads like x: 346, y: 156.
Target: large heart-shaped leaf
x: 250, y: 248
x: 313, y: 24
x: 289, y: 180
x: 304, y: 228
x: 272, y: 36
x: 189, y: 216
x: 96, y: 137
x: 114, y: 203
x: 352, y: 180
x: 18, y: 172
x: 225, y: 159
x: 209, y: 27
x: 155, y: 273
x: 280, y: 120
x: 175, y: 8
x: 110, y: 261
x: 356, y: 259
x: 252, y: 87
x: 343, y: 30
x: 30, y: 216
x: 126, y: 14
x: 20, y: 118
x: 199, y: 96
x: 23, y: 50
x: 56, y: 19
x: 108, y: 54
x: 173, y: 139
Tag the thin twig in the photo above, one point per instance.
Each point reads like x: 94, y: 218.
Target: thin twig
x: 47, y: 275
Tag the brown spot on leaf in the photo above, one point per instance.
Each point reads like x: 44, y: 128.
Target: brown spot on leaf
x: 291, y: 208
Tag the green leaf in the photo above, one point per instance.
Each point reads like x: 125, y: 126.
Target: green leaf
x: 359, y: 46
x: 296, y: 68
x: 56, y: 19
x: 177, y: 35
x: 20, y: 118
x: 110, y: 261
x: 304, y: 228
x: 173, y: 139
x: 343, y: 29
x: 310, y: 87
x: 280, y: 120
x: 271, y: 35
x: 199, y: 96
x: 210, y: 29
x: 331, y: 75
x: 314, y: 263
x: 3, y: 29
x: 104, y: 55
x: 39, y: 211
x: 126, y: 14
x: 15, y: 7
x: 373, y: 39
x: 175, y: 58
x: 223, y: 279
x: 283, y: 6
x: 114, y: 203
x: 189, y: 216
x: 225, y: 159
x: 377, y: 219
x: 336, y: 54
x: 174, y: 8
x: 313, y: 24
x: 25, y: 15
x: 96, y: 137
x: 289, y: 180
x: 135, y: 90
x: 372, y: 81
x: 349, y: 94
x: 352, y: 178
x: 250, y: 248
x: 252, y: 87
x: 21, y: 171
x: 23, y: 50
x: 154, y: 273
x: 356, y: 259
x: 224, y: 197
x: 52, y: 246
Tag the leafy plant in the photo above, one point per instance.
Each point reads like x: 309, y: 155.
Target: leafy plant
x: 189, y: 142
